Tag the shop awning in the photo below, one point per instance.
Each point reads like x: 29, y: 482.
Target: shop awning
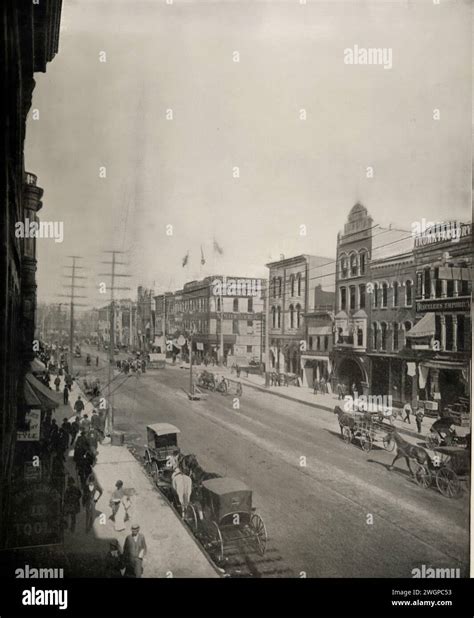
x: 30, y: 397
x: 41, y: 392
x: 37, y: 366
x: 424, y: 328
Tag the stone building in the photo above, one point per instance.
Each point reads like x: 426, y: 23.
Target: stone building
x: 31, y: 42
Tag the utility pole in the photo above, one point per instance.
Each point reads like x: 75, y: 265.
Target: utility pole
x: 266, y: 300
x: 113, y: 274
x: 72, y: 299
x: 221, y: 345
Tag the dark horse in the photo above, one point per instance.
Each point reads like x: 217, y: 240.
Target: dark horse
x: 345, y: 419
x: 408, y: 451
x: 190, y: 466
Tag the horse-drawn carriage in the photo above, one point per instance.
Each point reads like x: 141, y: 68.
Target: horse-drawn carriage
x: 449, y: 468
x: 224, y: 517
x: 364, y: 427
x: 161, y: 452
x: 219, y: 384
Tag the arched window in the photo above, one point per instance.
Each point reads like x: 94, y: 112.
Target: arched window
x: 376, y: 294
x: 352, y: 297
x: 395, y: 293
x: 273, y: 317
x: 395, y: 342
x: 375, y: 335
x: 383, y: 342
x: 292, y: 285
x: 408, y: 293
x: 279, y: 317
x: 353, y: 259
x: 362, y: 261
x: 292, y: 316
x: 360, y: 336
x: 343, y: 266
x: 298, y: 281
x: 279, y: 287
x: 274, y: 286
x: 343, y: 293
x: 384, y: 295
x: 298, y: 316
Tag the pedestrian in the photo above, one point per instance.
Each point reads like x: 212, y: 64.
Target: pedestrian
x: 85, y: 423
x: 95, y: 421
x: 340, y: 391
x: 80, y: 449
x: 72, y: 503
x: 93, y: 444
x: 315, y: 386
x: 119, y: 503
x: 63, y: 439
x: 57, y: 382
x: 79, y: 405
x: 101, y: 425
x: 74, y: 428
x: 323, y: 386
x: 407, y: 411
x: 134, y: 551
x: 90, y: 498
x: 419, y: 419
x: 113, y: 560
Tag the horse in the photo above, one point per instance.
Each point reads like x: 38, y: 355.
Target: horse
x: 345, y: 419
x: 408, y: 451
x: 182, y: 486
x: 190, y: 467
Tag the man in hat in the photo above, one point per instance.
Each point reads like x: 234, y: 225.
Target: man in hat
x: 79, y: 405
x: 134, y: 551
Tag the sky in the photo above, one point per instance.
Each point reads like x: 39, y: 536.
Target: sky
x: 180, y: 172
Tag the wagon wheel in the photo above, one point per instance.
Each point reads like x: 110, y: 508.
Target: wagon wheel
x: 259, y: 532
x: 365, y: 442
x: 155, y: 472
x: 239, y: 389
x: 422, y: 475
x: 216, y: 542
x: 346, y: 434
x: 388, y: 443
x: 147, y: 463
x: 190, y: 517
x: 448, y: 483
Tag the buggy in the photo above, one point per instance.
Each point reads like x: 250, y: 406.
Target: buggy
x: 224, y: 517
x: 160, y: 452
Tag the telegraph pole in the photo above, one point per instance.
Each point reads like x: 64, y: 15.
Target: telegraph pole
x: 221, y: 345
x: 72, y: 299
x: 113, y: 274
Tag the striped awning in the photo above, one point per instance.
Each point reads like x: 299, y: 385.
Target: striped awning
x: 424, y: 328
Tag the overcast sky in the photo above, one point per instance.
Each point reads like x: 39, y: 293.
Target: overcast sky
x: 244, y: 114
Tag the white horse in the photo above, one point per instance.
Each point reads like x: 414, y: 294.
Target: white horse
x: 182, y: 486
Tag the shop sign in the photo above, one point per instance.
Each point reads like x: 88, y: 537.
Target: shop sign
x: 33, y: 422
x: 443, y: 304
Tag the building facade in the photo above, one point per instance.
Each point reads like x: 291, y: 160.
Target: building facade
x: 316, y: 358
x: 216, y: 309
x: 30, y: 42
x: 292, y: 284
x: 125, y: 323
x: 145, y: 318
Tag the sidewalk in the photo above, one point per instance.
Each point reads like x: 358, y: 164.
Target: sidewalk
x: 172, y: 551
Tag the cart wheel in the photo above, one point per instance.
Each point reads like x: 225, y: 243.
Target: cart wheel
x: 422, y: 476
x: 260, y: 533
x: 388, y: 443
x: 448, y: 483
x: 190, y: 517
x: 239, y: 389
x: 346, y: 434
x: 365, y: 442
x: 155, y: 472
x: 217, y: 542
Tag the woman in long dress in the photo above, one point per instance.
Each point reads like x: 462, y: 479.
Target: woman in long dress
x: 120, y: 504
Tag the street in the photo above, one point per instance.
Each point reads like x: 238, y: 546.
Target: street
x: 330, y: 509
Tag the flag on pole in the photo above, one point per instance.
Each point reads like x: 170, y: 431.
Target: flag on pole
x: 203, y: 259
x: 185, y: 259
x: 217, y: 248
